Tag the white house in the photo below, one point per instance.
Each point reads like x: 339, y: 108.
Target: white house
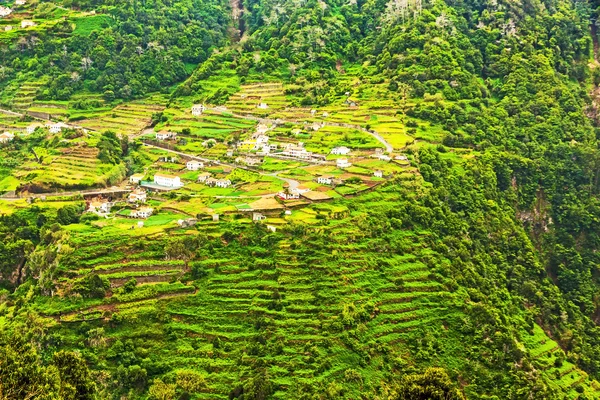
x: 167, y: 180
x: 325, y: 114
x: 55, y: 127
x: 288, y: 196
x: 6, y: 137
x: 316, y: 126
x: 164, y: 135
x: 198, y: 109
x: 138, y: 195
x: 313, y: 112
x: 20, y: 2
x: 194, y: 165
x: 258, y: 217
x: 142, y: 212
x: 401, y: 158
x: 136, y: 178
x: 272, y: 228
x: 27, y: 23
x: 324, y: 180
x: 5, y: 11
x: 31, y: 128
x: 262, y: 106
x: 342, y: 163
x: 203, y: 177
x: 223, y: 183
x: 378, y: 174
x: 100, y: 206
x: 340, y: 151
x: 8, y: 28
x: 261, y: 140
x: 384, y: 157
x: 297, y: 150
x: 288, y: 212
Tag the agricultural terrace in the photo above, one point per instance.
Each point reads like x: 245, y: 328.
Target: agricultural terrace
x: 314, y: 302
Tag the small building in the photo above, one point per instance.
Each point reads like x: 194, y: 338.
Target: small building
x: 210, y: 181
x: 203, y: 177
x: 378, y: 174
x: 137, y: 196
x: 340, y: 151
x: 165, y: 135
x: 136, y: 178
x: 140, y: 224
x: 261, y: 140
x: 288, y: 195
x: 186, y: 223
x: 325, y: 180
x: 100, y: 206
x: 142, y: 212
x: 167, y: 180
x: 194, y: 165
x: 288, y: 212
x: 55, y: 127
x: 27, y: 23
x: 215, y: 217
x: 8, y: 28
x: 258, y: 217
x: 384, y: 157
x: 223, y: 183
x: 316, y: 126
x: 401, y: 157
x: 6, y: 137
x: 262, y: 106
x: 32, y: 127
x: 342, y: 163
x: 230, y: 153
x: 325, y: 114
x: 271, y: 228
x: 20, y: 2
x: 5, y: 11
x: 198, y: 109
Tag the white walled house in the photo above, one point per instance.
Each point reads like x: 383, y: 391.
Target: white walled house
x: 167, y: 180
x: 55, y: 127
x: 136, y: 178
x: 27, y: 23
x: 100, y: 206
x: 142, y: 212
x: 384, y: 157
x: 324, y: 180
x: 203, y: 177
x: 262, y: 106
x: 223, y: 183
x: 258, y: 217
x: 378, y: 174
x: 288, y: 196
x: 340, y: 151
x: 342, y: 163
x: 6, y: 137
x: 137, y: 196
x: 31, y: 128
x: 164, y: 135
x: 198, y: 109
x: 5, y: 11
x: 194, y: 165
x: 20, y: 2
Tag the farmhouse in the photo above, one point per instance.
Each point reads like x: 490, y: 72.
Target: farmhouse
x: 378, y: 174
x: 136, y: 178
x: 325, y: 180
x: 5, y: 11
x: 167, y: 180
x: 198, y: 109
x: 401, y: 157
x: 32, y: 127
x: 210, y: 181
x: 342, y: 163
x: 6, y: 137
x: 100, y: 206
x: 142, y: 212
x: 138, y: 195
x: 384, y: 157
x: 27, y: 23
x: 194, y: 165
x: 20, y: 2
x: 288, y: 195
x: 340, y: 151
x: 262, y: 106
x: 297, y: 151
x: 55, y: 127
x: 164, y: 135
x: 203, y: 177
x: 185, y: 223
x: 258, y: 217
x: 223, y: 183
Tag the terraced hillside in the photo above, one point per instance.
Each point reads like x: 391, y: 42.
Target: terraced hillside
x: 75, y: 168
x: 25, y: 95
x: 251, y: 96
x: 342, y: 305
x: 129, y: 118
x: 210, y: 124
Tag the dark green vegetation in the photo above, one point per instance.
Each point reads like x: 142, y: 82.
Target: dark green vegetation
x: 476, y: 277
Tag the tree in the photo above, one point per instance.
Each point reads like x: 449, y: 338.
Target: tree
x: 433, y: 384
x: 76, y: 382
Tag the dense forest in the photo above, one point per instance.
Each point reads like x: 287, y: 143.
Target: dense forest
x: 512, y: 234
